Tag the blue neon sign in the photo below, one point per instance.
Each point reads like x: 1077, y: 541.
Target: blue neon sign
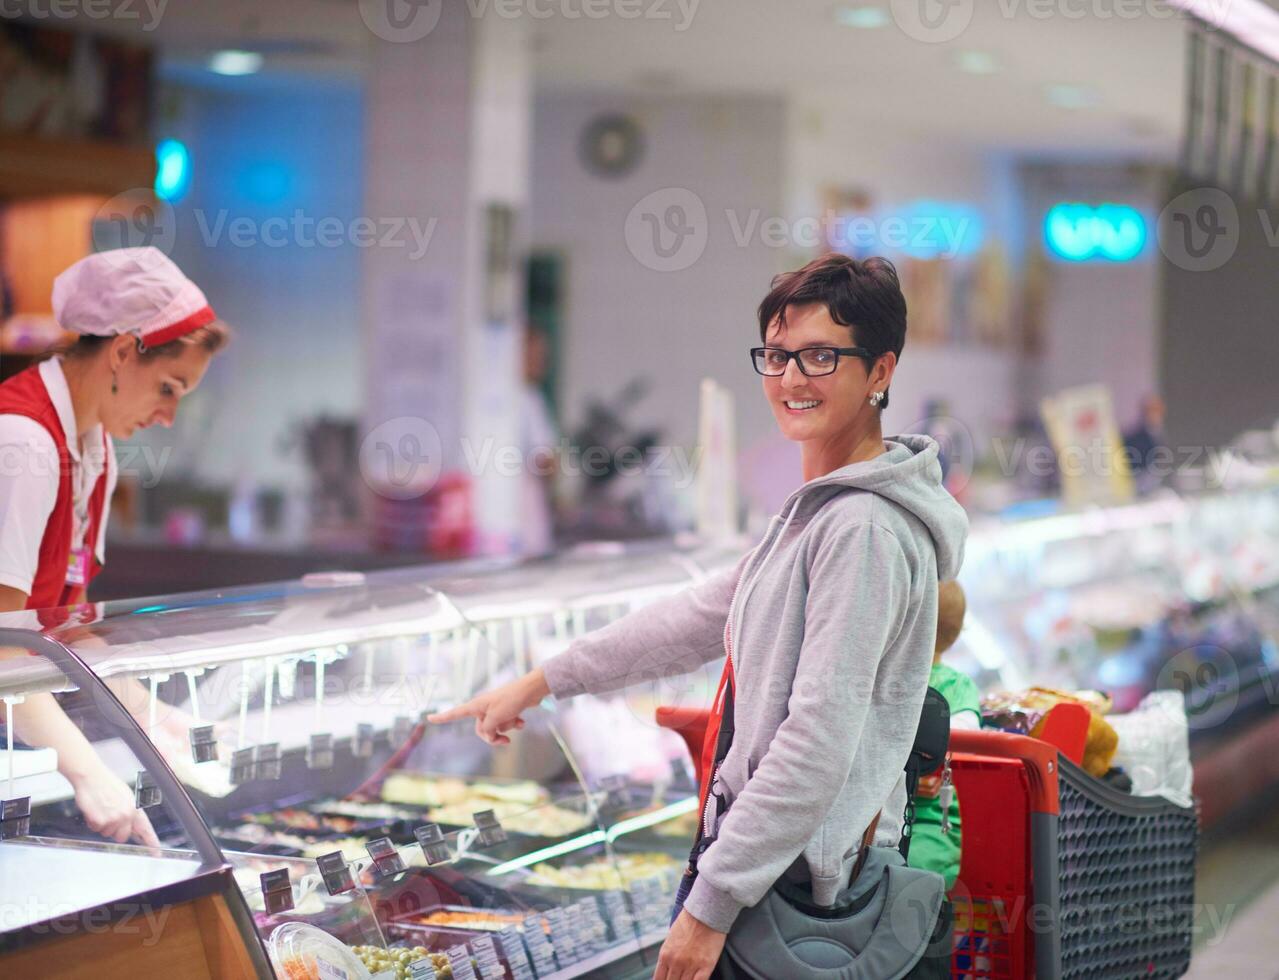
x: 172, y: 170
x: 1080, y: 232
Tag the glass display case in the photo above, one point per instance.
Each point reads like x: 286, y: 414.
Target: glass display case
x: 309, y: 822
x: 275, y: 738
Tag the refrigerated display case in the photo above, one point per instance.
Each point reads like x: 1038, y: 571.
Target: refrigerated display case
x: 278, y: 738
x: 285, y: 730
x: 1175, y: 592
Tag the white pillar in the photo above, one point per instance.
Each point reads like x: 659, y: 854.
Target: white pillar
x: 447, y: 134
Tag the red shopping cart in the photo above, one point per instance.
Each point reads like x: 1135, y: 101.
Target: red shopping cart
x: 1063, y: 876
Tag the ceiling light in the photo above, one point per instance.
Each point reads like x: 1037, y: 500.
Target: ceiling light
x: 976, y: 62
x: 232, y: 62
x: 1071, y: 96
x: 861, y: 17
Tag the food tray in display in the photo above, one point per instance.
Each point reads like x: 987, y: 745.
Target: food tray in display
x: 524, y: 808
x: 304, y: 821
x: 464, y: 924
x: 567, y: 880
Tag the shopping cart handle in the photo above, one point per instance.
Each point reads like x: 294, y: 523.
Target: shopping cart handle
x: 691, y: 724
x: 1039, y: 759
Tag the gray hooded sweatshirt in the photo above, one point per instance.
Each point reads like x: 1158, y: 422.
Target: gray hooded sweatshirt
x: 830, y: 623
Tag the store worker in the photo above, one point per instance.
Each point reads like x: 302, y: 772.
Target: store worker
x: 146, y: 335
x: 828, y: 623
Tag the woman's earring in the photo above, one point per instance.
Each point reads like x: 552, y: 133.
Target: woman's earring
x: 115, y: 388
x: 876, y: 397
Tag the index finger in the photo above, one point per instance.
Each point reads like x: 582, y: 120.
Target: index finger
x: 467, y: 710
x: 143, y: 830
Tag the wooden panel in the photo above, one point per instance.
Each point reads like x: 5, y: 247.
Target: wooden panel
x: 41, y: 237
x: 31, y: 167
x: 194, y: 941
x: 224, y: 950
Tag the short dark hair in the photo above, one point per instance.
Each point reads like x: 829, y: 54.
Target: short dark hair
x: 864, y: 296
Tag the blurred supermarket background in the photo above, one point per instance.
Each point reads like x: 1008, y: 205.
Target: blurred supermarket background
x: 481, y: 259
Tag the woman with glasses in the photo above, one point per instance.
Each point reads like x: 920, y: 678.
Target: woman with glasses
x: 828, y: 624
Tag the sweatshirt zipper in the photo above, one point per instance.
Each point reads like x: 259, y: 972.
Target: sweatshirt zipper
x: 728, y: 653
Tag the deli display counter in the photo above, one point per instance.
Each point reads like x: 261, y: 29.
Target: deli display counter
x: 275, y: 740
x: 309, y: 823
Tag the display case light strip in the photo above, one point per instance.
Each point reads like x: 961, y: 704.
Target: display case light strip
x: 195, y: 701
x: 619, y: 829
x: 546, y: 853
x: 8, y: 735
x: 645, y: 820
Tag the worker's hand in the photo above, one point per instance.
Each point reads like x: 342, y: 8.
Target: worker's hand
x: 929, y: 786
x: 106, y: 804
x: 690, y: 951
x: 498, y: 711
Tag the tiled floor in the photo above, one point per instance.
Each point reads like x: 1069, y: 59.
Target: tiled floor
x: 1237, y: 918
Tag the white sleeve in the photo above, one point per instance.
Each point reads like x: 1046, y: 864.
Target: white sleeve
x: 28, y: 491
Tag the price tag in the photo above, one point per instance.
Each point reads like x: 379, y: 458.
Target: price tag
x: 423, y: 969
x: 512, y: 950
x: 363, y: 746
x: 15, y: 817
x: 460, y: 961
x: 433, y: 844
x: 541, y: 952
x: 385, y: 856
x: 242, y: 767
x: 319, y: 751
x: 145, y: 792
x: 330, y: 971
x: 561, y: 937
x: 335, y: 872
x: 490, y: 830
x: 204, y: 746
x: 266, y: 761
x: 277, y: 891
x: 487, y: 965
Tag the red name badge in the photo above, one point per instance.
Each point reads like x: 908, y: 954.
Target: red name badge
x: 78, y: 567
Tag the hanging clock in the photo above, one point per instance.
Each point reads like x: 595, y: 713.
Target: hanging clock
x: 612, y: 145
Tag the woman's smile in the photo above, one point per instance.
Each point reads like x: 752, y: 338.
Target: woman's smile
x: 798, y: 406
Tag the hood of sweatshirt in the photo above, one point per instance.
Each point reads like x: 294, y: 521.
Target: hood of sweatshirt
x: 908, y: 474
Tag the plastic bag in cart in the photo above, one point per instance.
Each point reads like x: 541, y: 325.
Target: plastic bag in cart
x: 1154, y: 747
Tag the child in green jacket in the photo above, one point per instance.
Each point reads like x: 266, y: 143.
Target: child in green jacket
x: 932, y: 848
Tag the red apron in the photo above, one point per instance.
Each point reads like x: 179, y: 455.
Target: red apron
x: 62, y: 578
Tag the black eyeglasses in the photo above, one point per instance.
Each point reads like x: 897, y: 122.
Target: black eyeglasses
x: 813, y: 361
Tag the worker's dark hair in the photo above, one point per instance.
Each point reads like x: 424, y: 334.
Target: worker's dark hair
x: 864, y: 296
x: 212, y: 337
